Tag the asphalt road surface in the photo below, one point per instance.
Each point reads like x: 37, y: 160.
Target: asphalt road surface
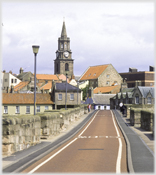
x: 99, y: 147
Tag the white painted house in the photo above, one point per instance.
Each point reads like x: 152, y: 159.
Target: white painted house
x: 8, y: 80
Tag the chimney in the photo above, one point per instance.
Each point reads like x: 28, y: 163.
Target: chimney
x: 10, y: 72
x: 151, y: 69
x: 137, y: 83
x: 132, y: 69
x: 21, y: 70
x: 4, y: 71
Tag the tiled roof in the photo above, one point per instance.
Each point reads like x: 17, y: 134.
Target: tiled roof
x: 145, y: 90
x: 104, y: 89
x: 19, y: 98
x: 102, y: 98
x: 46, y: 77
x: 61, y: 87
x: 93, y: 72
x: 21, y: 85
x: 47, y: 86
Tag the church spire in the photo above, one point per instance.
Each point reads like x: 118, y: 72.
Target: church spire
x: 63, y: 33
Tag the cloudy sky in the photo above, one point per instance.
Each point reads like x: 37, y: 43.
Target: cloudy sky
x: 100, y: 32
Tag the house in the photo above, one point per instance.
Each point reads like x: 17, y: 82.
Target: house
x: 138, y: 95
x: 22, y: 103
x: 143, y: 95
x: 102, y: 75
x: 8, y: 81
x: 24, y: 76
x: 27, y: 86
x: 59, y: 95
x: 139, y: 78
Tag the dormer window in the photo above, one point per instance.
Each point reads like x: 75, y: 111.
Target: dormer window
x: 149, y: 100
x: 94, y: 74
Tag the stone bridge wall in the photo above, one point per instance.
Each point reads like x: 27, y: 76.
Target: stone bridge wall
x: 22, y: 131
x: 142, y: 117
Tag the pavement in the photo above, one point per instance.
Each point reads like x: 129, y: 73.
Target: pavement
x: 146, y: 137
x: 140, y: 146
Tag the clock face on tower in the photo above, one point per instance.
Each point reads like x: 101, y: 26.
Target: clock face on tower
x: 66, y: 54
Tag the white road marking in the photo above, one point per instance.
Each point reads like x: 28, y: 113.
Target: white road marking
x: 37, y: 167
x: 88, y: 124
x: 118, y: 163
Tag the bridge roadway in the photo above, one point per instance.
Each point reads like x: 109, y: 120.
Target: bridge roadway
x: 99, y: 143
x: 98, y: 147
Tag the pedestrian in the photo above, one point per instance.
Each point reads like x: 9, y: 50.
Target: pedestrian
x: 121, y: 104
x: 89, y: 107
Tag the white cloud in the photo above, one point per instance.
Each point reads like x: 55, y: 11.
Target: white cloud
x: 100, y: 33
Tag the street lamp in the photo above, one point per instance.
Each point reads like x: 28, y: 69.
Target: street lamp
x: 35, y: 51
x: 77, y: 90
x: 66, y: 94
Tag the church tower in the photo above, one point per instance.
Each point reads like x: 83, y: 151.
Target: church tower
x: 63, y: 63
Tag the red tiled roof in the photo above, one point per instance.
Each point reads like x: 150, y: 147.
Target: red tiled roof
x: 23, y: 98
x: 46, y: 77
x: 104, y: 89
x: 93, y: 72
x: 21, y: 85
x: 47, y: 86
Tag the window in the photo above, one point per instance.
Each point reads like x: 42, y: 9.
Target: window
x: 107, y: 75
x: 27, y: 109
x: 115, y: 83
x: 65, y: 46
x: 71, y: 96
x: 5, y: 80
x: 107, y: 83
x: 61, y: 45
x: 12, y: 80
x: 136, y: 99
x: 46, y: 107
x: 17, y: 109
x: 149, y: 100
x: 15, y: 80
x: 59, y: 96
x: 5, y: 109
x: 66, y: 67
x: 38, y: 108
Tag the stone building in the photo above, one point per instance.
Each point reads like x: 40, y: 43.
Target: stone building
x: 63, y: 64
x: 139, y: 95
x: 102, y: 75
x: 59, y: 95
x: 139, y: 78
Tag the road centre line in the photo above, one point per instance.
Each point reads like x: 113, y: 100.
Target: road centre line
x: 41, y: 164
x: 92, y: 137
x: 118, y: 163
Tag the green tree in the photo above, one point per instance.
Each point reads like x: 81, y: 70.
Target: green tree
x: 85, y: 91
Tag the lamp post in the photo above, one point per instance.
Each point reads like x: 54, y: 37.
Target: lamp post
x: 77, y: 90
x: 66, y: 94
x: 35, y: 51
